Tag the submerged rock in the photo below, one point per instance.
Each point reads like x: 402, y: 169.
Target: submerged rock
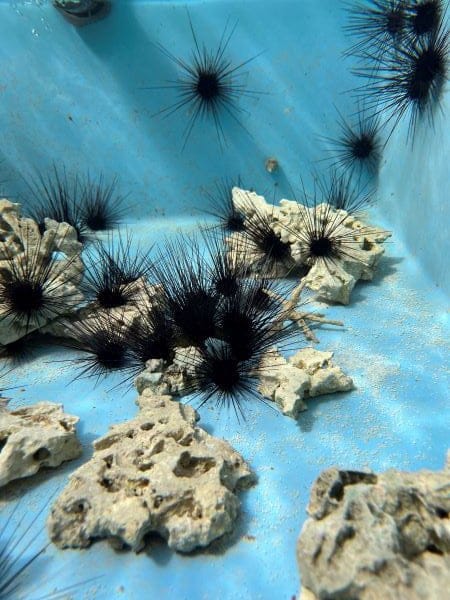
x: 331, y: 280
x: 307, y: 374
x: 377, y: 536
x: 158, y: 473
x: 36, y: 436
x: 160, y: 378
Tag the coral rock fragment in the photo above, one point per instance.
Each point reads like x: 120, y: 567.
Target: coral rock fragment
x: 36, y: 436
x: 157, y: 473
x: 307, y: 374
x: 377, y: 536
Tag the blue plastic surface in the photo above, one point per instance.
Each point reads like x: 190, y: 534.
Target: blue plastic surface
x: 75, y: 96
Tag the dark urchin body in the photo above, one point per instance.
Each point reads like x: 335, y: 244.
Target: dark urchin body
x: 219, y: 376
x: 271, y: 252
x: 425, y: 17
x: 222, y: 207
x: 250, y: 325
x: 188, y: 295
x: 35, y: 289
x: 411, y: 80
x: 321, y: 232
x: 358, y: 149
x: 103, y: 343
x: 101, y: 205
x: 225, y: 272
x: 377, y: 25
x: 210, y: 84
x: 112, y: 268
x: 154, y: 337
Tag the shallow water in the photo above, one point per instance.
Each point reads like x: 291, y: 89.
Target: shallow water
x: 75, y: 95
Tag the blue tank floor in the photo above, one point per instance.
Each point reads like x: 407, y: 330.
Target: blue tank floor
x: 394, y: 346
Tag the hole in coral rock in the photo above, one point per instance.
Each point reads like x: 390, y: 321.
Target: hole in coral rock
x: 64, y: 425
x: 3, y: 443
x: 147, y: 426
x: 106, y: 483
x: 434, y: 549
x: 337, y: 490
x: 41, y: 454
x: 109, y: 461
x: 157, y: 501
x: 191, y: 466
x: 146, y: 466
x: 80, y: 507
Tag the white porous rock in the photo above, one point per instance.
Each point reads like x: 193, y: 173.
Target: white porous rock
x: 307, y: 374
x: 36, y: 436
x: 159, y: 473
x: 248, y: 203
x: 174, y: 379
x: 332, y: 281
x: 383, y: 536
x: 20, y: 238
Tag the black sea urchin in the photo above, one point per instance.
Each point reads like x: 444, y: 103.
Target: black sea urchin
x: 251, y: 326
x: 104, y: 346
x: 36, y: 288
x: 57, y: 196
x: 154, y: 337
x: 222, y: 207
x: 411, y: 80
x: 112, y: 268
x: 321, y: 233
x: 273, y: 255
x: 425, y: 17
x: 101, y: 205
x: 21, y: 350
x: 190, y: 299
x: 225, y: 272
x: 88, y: 205
x: 358, y: 148
x: 220, y: 376
x: 209, y: 84
x: 377, y: 25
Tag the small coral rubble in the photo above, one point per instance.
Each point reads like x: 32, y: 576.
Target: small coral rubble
x: 307, y: 374
x: 37, y: 436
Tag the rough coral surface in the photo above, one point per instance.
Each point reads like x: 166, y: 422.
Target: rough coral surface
x: 36, y: 436
x: 331, y: 281
x: 307, y: 374
x: 158, y: 473
x: 23, y: 248
x: 377, y: 536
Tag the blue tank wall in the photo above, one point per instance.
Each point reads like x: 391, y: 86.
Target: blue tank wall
x: 75, y: 96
